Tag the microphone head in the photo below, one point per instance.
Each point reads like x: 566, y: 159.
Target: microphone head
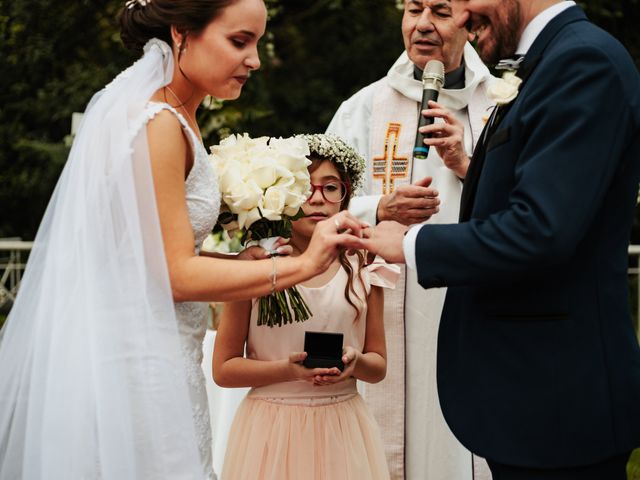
x: 433, y: 74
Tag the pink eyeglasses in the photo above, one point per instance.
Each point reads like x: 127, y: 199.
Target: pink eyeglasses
x: 333, y: 192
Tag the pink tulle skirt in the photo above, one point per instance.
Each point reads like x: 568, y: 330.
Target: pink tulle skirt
x: 271, y: 440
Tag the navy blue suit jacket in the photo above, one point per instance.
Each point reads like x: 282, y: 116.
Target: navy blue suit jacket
x: 538, y: 364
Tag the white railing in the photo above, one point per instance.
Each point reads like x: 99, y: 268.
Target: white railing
x: 13, y: 255
x: 634, y: 276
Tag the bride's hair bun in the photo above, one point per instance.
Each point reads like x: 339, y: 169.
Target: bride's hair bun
x: 142, y: 20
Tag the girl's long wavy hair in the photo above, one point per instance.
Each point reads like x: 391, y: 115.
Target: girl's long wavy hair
x: 350, y: 293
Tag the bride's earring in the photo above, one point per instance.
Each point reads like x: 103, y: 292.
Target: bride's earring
x: 181, y: 50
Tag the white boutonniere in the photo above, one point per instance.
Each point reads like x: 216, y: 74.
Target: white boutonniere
x: 504, y: 90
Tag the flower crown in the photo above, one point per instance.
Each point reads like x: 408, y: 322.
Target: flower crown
x: 327, y: 145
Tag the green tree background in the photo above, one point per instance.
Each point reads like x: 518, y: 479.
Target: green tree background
x: 56, y: 54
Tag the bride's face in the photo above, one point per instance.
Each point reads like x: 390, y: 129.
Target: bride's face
x: 317, y: 207
x: 219, y: 59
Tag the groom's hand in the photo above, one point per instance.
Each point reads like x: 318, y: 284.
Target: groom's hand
x: 409, y: 204
x: 385, y: 239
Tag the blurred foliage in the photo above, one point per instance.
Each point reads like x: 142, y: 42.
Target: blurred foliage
x: 633, y: 466
x: 220, y: 241
x: 323, y: 51
x: 56, y: 54
x: 620, y: 18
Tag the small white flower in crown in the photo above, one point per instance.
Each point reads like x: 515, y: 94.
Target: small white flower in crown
x: 132, y: 3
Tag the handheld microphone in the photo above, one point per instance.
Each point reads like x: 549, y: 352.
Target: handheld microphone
x: 432, y: 81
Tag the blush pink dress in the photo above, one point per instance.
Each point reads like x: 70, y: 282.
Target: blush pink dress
x: 294, y: 430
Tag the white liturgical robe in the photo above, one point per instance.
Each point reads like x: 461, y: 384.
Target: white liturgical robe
x: 380, y: 121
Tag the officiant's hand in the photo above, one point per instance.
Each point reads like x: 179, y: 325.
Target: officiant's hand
x: 385, y: 239
x: 409, y: 204
x: 447, y: 137
x: 297, y: 371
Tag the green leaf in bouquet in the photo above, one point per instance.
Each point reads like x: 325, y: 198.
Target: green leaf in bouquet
x: 282, y: 307
x: 226, y: 217
x: 297, y: 216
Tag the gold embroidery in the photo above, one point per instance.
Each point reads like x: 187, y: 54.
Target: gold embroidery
x: 389, y: 169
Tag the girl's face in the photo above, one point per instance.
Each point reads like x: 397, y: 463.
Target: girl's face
x: 317, y: 208
x: 219, y: 59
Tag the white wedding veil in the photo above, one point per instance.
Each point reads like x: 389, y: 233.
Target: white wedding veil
x: 92, y: 381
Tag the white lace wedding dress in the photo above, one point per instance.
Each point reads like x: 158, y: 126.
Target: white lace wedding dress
x: 203, y: 203
x: 100, y: 375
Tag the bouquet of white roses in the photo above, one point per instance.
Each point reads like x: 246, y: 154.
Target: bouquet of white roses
x: 264, y: 182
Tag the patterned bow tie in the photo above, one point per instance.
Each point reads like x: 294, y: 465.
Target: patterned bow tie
x: 512, y: 63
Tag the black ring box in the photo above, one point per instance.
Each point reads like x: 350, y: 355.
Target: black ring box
x: 324, y: 350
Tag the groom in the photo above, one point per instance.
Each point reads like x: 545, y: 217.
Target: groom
x: 538, y: 365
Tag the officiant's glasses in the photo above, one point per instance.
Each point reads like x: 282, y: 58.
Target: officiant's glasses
x: 333, y: 191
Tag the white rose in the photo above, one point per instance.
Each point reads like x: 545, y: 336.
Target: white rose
x: 296, y: 196
x: 228, y: 148
x: 273, y: 203
x: 255, y: 144
x: 302, y: 184
x: 291, y: 153
x: 263, y: 174
x: 504, y: 90
x: 243, y: 196
x: 229, y: 177
x: 246, y: 218
x: 285, y: 178
x: 294, y: 163
x: 237, y: 149
x: 291, y: 210
x: 295, y: 146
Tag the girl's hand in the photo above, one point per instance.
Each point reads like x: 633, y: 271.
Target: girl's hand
x: 255, y: 252
x: 300, y: 372
x: 350, y: 358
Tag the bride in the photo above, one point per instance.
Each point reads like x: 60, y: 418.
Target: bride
x: 99, y: 369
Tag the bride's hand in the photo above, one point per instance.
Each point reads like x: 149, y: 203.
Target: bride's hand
x: 281, y: 247
x: 342, y: 230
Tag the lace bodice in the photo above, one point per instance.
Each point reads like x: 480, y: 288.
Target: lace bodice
x: 203, y: 204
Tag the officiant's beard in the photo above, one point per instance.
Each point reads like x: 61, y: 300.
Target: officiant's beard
x: 504, y: 35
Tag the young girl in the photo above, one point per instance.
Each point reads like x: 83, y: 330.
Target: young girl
x: 298, y: 422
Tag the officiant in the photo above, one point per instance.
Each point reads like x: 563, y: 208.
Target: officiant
x: 538, y: 363
x: 381, y: 121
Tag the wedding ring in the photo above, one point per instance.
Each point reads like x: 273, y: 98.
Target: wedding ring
x: 337, y: 222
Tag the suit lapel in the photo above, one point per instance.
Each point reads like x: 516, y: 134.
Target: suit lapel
x: 531, y: 61
x: 475, y: 167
